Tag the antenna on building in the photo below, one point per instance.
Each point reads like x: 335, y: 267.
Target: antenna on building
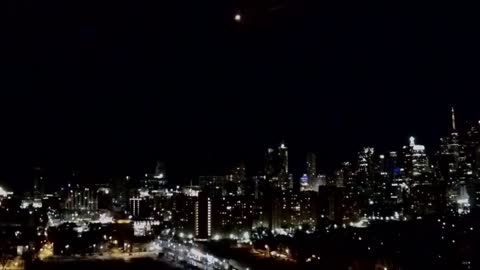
x: 454, y: 128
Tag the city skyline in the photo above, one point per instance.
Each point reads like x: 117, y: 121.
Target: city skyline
x: 298, y: 170
x: 368, y: 200
x: 239, y: 135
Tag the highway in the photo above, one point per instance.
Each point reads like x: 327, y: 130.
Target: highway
x: 175, y: 254
x: 190, y: 254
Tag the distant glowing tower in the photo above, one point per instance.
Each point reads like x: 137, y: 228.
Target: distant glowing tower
x: 284, y: 178
x: 311, y: 169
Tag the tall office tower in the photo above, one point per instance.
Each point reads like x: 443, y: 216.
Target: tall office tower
x: 423, y: 191
x: 214, y: 185
x: 269, y: 210
x: 38, y: 182
x: 259, y: 186
x: 364, y: 177
x: 232, y: 214
x: 285, y: 179
x: 80, y: 198
x: 319, y: 180
x: 354, y: 193
x: 183, y: 208
x: 160, y: 173
x: 153, y: 182
x: 305, y: 184
x: 135, y: 204
x: 275, y: 213
x: 472, y: 144
x: 120, y: 192
x: 398, y: 189
x: 270, y: 166
x: 237, y: 180
x: 311, y: 169
x: 291, y: 210
x: 365, y: 167
x: 416, y: 162
x: 476, y: 196
x: 104, y: 197
x: 331, y: 204
x: 337, y: 179
x: 378, y: 200
x: 276, y: 168
x: 393, y: 164
x: 455, y: 169
x: 450, y: 146
x: 348, y: 174
x: 203, y: 216
x: 472, y: 147
x: 238, y: 174
x: 308, y: 202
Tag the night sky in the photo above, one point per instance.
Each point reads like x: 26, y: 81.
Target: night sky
x: 108, y: 87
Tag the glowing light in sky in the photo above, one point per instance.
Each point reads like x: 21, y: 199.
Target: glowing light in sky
x: 237, y: 17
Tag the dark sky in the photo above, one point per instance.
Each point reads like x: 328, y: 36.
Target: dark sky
x: 107, y: 87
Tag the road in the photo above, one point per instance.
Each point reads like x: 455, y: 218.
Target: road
x: 175, y: 254
x: 191, y: 254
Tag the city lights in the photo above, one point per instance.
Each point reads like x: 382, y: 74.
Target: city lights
x: 364, y: 206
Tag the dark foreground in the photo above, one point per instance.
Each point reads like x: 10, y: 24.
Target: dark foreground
x: 103, y: 264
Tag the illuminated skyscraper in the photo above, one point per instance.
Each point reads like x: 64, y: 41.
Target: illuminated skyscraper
x: 276, y: 168
x: 456, y: 170
x: 135, y: 204
x: 472, y: 147
x: 203, y: 216
x: 213, y: 184
x: 451, y: 149
x: 160, y: 172
x: 271, y: 172
x: 416, y: 161
x: 331, y: 204
x: 311, y: 170
x: 80, y: 198
x: 38, y: 183
x: 236, y: 181
x: 472, y: 143
x: 183, y: 211
x: 120, y: 192
x: 232, y: 214
x: 365, y: 168
x: 422, y: 193
x: 157, y: 180
x: 286, y: 181
x: 304, y: 183
x: 397, y: 187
